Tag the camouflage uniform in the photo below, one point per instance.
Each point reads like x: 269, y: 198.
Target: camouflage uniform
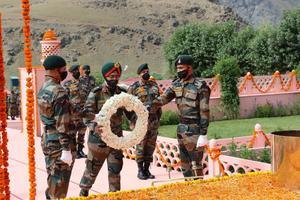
x: 98, y: 150
x: 77, y: 99
x: 88, y: 83
x: 13, y: 104
x: 54, y: 112
x: 147, y: 92
x: 192, y: 99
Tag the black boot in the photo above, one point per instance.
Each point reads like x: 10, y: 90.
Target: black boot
x: 80, y: 153
x: 147, y: 172
x: 141, y: 174
x: 84, y: 193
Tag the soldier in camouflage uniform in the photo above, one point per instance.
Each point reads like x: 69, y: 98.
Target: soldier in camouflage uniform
x: 98, y: 150
x: 147, y: 91
x: 77, y: 100
x: 58, y: 144
x: 192, y: 99
x: 13, y: 103
x: 88, y: 82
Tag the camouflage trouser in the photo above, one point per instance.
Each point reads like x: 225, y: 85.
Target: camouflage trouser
x: 59, y: 173
x: 98, y: 152
x: 13, y: 110
x: 187, y: 135
x: 145, y: 149
x: 79, y: 130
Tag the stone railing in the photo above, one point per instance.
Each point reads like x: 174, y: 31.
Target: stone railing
x: 167, y: 155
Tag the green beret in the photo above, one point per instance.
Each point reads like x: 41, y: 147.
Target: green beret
x: 184, y: 60
x: 85, y: 67
x: 54, y: 62
x: 142, y: 67
x: 110, y: 67
x: 74, y: 67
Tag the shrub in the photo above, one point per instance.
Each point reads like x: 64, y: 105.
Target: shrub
x: 229, y: 72
x: 265, y: 156
x: 264, y: 111
x: 169, y: 118
x: 247, y: 153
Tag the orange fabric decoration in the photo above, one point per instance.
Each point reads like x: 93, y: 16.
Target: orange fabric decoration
x: 214, y: 154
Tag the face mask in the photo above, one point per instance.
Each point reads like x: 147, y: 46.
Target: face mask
x: 182, y: 74
x: 146, y: 76
x: 87, y: 72
x: 76, y: 75
x: 112, y: 84
x: 63, y: 75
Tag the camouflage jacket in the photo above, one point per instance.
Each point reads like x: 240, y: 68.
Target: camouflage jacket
x: 77, y: 98
x: 96, y: 99
x: 87, y: 83
x: 54, y: 109
x: 148, y: 93
x: 192, y: 99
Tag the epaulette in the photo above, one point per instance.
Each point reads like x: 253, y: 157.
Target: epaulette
x: 96, y: 89
x: 199, y: 83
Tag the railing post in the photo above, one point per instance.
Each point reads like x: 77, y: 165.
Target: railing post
x: 213, y: 166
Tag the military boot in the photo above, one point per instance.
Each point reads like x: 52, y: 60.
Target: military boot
x: 83, y: 193
x: 80, y: 153
x: 147, y: 172
x: 141, y: 174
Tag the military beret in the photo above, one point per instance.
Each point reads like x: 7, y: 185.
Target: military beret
x: 184, y: 60
x: 142, y: 67
x: 74, y: 67
x: 85, y: 67
x: 54, y: 62
x: 110, y: 67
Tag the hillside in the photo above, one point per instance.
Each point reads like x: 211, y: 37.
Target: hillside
x: 94, y: 31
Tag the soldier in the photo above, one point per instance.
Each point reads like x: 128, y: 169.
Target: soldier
x: 192, y: 99
x: 147, y: 91
x: 13, y: 103
x: 77, y: 100
x: 88, y: 82
x: 98, y: 150
x: 58, y: 144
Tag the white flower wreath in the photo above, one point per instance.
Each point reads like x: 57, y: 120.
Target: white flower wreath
x: 131, y: 103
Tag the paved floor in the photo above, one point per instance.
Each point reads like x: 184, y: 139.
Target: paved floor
x: 19, y: 178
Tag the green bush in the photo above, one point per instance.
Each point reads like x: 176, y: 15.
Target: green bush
x: 265, y: 156
x: 264, y: 111
x: 99, y: 78
x: 169, y: 118
x: 232, y: 147
x: 247, y: 153
x: 229, y: 72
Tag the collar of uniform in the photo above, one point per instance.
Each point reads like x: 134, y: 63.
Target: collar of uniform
x: 105, y: 89
x: 190, y: 80
x: 144, y: 82
x: 48, y: 77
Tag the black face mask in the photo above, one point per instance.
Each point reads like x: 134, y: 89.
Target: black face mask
x: 87, y: 72
x: 63, y: 75
x: 146, y: 76
x: 76, y: 75
x: 182, y: 74
x: 112, y: 84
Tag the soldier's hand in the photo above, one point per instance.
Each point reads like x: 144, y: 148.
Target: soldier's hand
x: 66, y: 157
x: 131, y: 125
x: 98, y: 129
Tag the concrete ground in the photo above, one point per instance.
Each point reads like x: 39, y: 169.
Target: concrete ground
x: 19, y: 176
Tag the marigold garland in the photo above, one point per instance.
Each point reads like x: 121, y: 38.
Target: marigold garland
x: 255, y: 185
x: 4, y: 175
x: 30, y: 97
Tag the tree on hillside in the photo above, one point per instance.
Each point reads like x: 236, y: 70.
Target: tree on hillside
x: 288, y: 39
x: 203, y: 42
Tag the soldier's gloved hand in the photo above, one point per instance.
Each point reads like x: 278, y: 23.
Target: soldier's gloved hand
x: 202, y: 141
x: 66, y: 157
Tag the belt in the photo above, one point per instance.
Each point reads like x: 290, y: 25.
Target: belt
x: 189, y: 121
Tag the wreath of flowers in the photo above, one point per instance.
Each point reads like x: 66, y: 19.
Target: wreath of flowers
x: 131, y: 103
